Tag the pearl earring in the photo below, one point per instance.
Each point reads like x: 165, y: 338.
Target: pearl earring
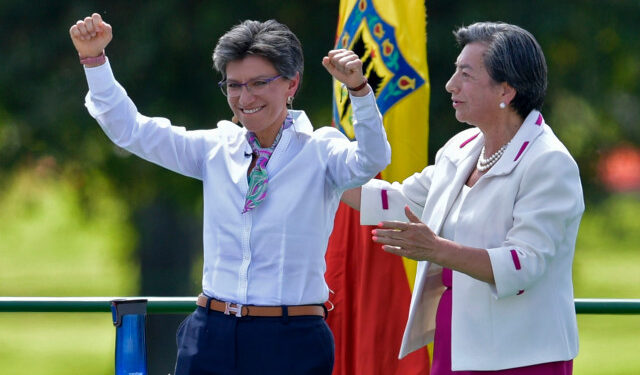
x: 502, y: 105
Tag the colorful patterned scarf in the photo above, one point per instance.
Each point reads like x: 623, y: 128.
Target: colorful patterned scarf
x: 258, y: 178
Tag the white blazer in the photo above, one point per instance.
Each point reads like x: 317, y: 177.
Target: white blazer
x: 525, y: 211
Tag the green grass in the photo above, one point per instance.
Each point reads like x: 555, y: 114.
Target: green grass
x: 54, y: 343
x: 608, y: 345
x: 57, y: 241
x: 607, y: 265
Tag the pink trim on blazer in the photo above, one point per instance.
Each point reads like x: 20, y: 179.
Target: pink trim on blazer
x: 516, y: 260
x: 524, y: 145
x: 385, y: 199
x: 469, y: 140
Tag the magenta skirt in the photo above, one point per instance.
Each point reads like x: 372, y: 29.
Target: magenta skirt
x: 441, y: 364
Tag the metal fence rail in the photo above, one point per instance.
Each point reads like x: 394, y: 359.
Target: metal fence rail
x: 185, y: 305
x: 155, y: 305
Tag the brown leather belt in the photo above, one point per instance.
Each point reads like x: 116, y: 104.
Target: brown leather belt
x: 250, y: 310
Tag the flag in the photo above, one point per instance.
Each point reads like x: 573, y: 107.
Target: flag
x: 371, y: 289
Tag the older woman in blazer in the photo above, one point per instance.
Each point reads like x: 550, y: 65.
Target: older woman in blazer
x: 493, y: 222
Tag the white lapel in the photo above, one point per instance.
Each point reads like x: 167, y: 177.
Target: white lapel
x: 456, y: 167
x: 530, y: 129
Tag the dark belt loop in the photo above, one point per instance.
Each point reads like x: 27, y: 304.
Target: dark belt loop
x: 208, y: 307
x: 326, y: 311
x: 285, y: 314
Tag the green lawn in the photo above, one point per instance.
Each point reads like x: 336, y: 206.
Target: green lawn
x: 607, y: 265
x: 55, y: 242
x: 608, y: 345
x: 55, y: 343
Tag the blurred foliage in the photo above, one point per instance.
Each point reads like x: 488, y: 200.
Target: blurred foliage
x: 161, y: 52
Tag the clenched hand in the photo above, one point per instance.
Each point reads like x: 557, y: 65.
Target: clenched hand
x: 90, y: 36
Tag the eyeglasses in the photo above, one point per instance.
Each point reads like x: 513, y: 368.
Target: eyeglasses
x: 254, y: 86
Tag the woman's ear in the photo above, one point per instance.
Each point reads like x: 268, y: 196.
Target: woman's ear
x: 508, y: 93
x: 293, y: 85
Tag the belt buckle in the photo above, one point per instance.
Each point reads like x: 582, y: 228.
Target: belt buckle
x: 237, y: 309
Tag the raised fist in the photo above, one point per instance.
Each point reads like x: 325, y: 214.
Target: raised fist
x: 90, y: 36
x: 345, y: 66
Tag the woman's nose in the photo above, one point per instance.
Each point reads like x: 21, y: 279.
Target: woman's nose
x: 450, y: 85
x: 245, y: 96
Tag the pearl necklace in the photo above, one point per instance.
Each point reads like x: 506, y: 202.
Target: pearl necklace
x: 484, y: 164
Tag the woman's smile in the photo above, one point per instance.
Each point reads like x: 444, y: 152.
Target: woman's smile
x: 250, y: 111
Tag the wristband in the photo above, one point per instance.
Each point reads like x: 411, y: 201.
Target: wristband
x: 98, y: 60
x: 359, y: 87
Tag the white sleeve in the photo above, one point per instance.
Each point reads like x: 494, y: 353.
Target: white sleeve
x: 546, y: 217
x: 384, y: 201
x: 351, y: 164
x: 152, y: 138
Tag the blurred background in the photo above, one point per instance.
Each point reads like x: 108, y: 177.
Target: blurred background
x: 80, y: 217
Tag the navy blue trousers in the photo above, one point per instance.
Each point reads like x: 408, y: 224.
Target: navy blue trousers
x: 210, y: 342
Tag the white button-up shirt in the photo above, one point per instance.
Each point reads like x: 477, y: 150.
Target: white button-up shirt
x: 274, y: 254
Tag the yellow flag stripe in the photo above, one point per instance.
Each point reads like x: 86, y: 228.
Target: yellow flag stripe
x: 406, y: 121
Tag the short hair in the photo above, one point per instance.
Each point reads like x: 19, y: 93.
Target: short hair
x: 514, y: 56
x: 270, y: 39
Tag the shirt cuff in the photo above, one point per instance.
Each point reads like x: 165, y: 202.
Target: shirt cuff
x: 381, y: 201
x: 363, y: 102
x: 100, y: 78
x: 510, y: 278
